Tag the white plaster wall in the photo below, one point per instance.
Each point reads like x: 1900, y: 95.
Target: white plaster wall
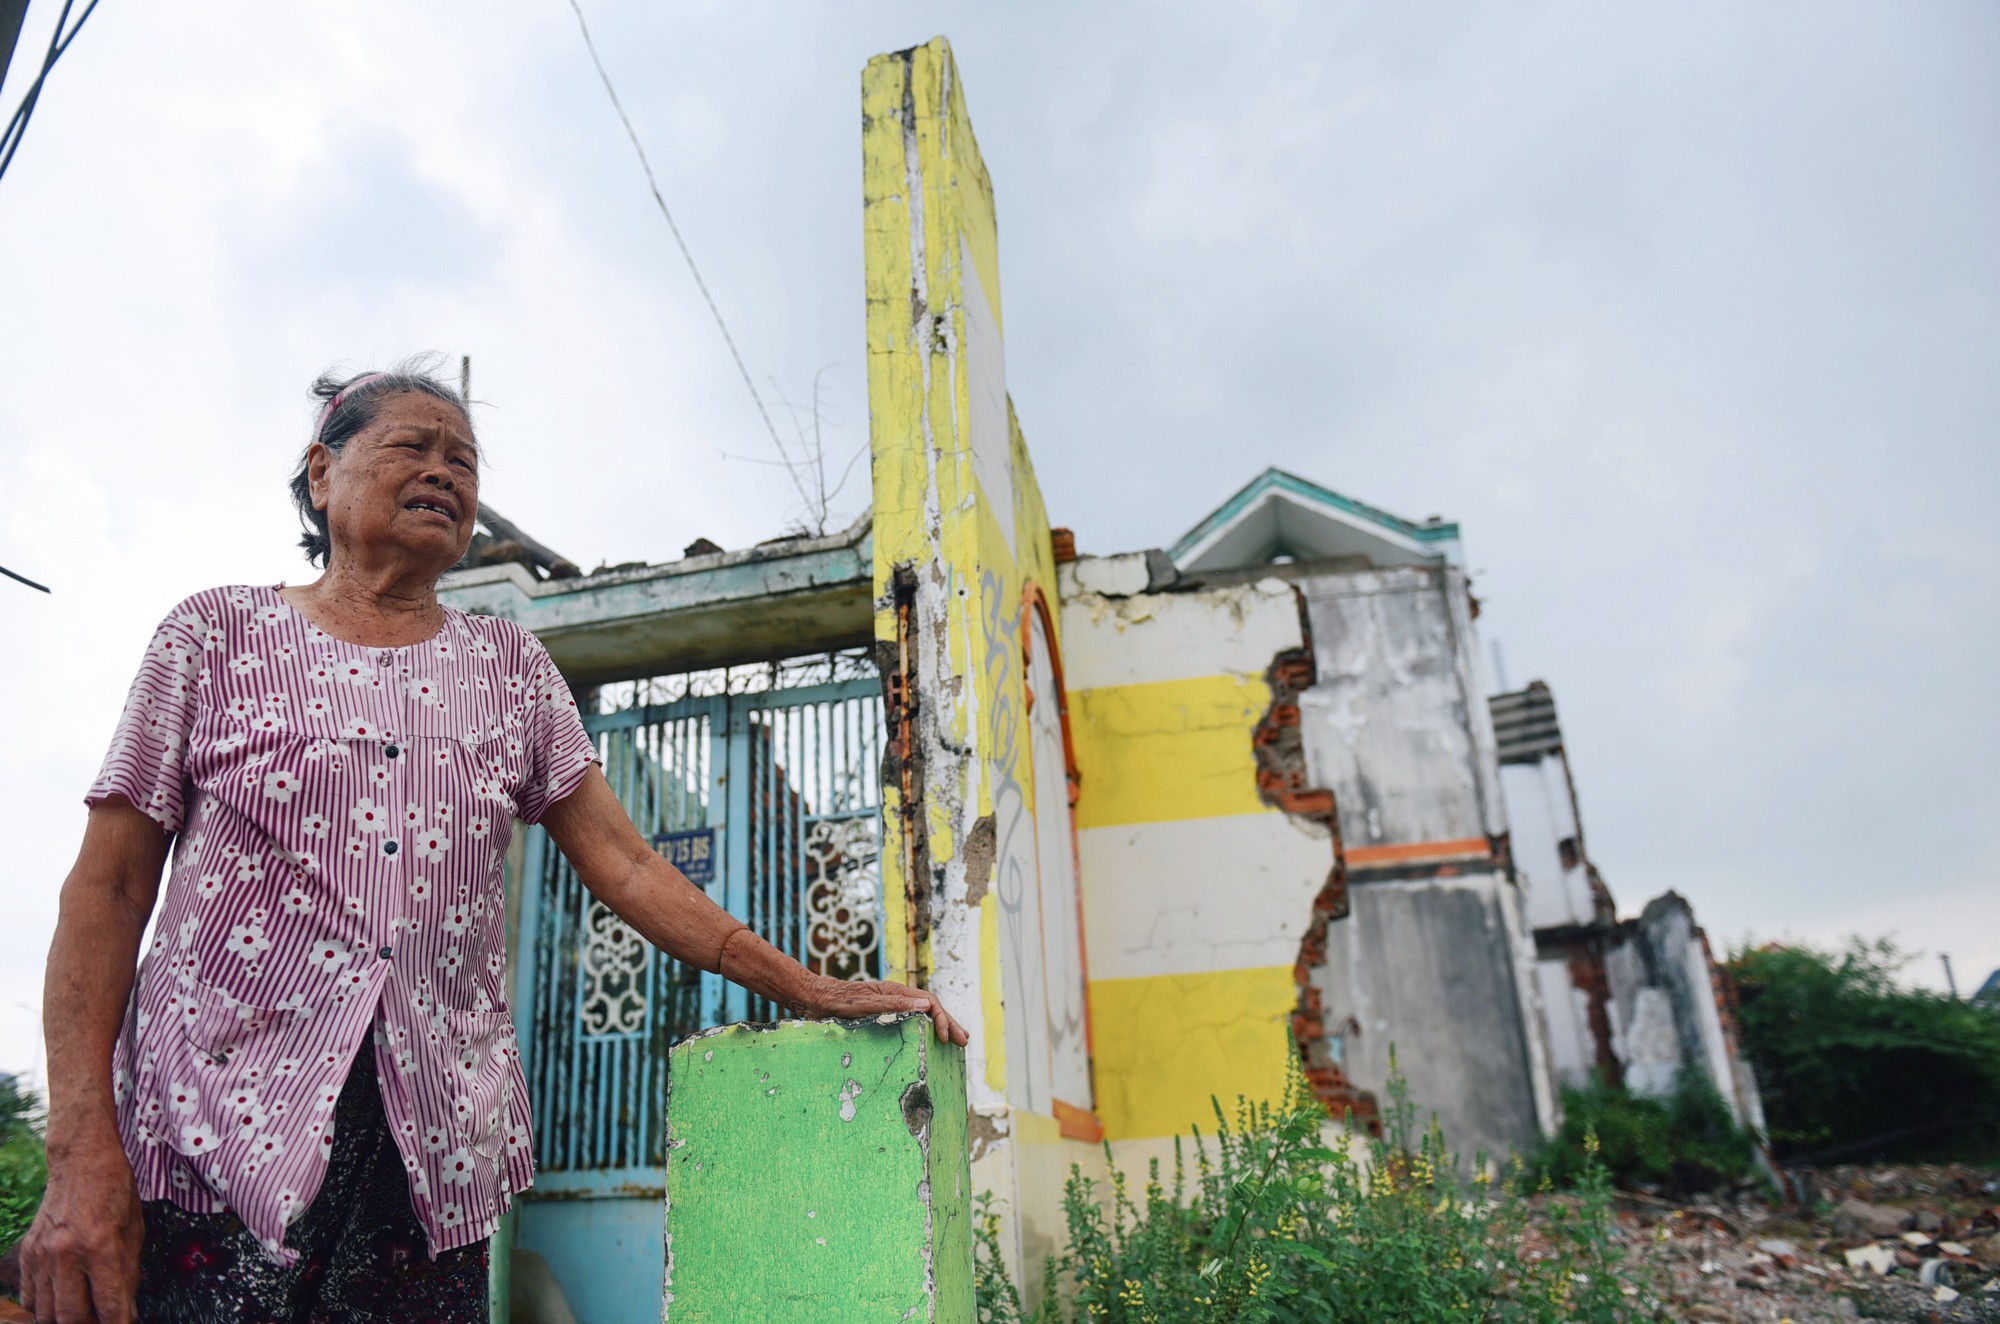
x: 1539, y: 816
x: 1568, y: 1010
x: 1056, y: 874
x: 1120, y: 576
x: 1651, y: 1044
x: 1714, y: 1044
x: 1193, y: 895
x: 1543, y: 1082
x: 1233, y: 631
x: 1474, y: 686
x: 1430, y: 966
x: 1390, y: 724
x: 985, y: 367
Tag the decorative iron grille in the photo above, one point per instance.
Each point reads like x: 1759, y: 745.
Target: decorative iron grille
x: 779, y: 768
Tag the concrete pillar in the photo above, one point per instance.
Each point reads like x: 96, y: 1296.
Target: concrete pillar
x: 818, y: 1171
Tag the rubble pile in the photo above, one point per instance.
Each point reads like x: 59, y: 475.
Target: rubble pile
x: 1892, y: 1243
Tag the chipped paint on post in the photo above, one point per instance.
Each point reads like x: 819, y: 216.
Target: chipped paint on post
x: 818, y: 1174
x: 978, y: 880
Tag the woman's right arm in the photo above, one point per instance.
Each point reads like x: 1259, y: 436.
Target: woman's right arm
x: 80, y: 1259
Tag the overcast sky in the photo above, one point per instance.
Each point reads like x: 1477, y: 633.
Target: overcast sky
x: 1689, y: 313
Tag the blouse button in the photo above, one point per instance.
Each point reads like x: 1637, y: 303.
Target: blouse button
x: 386, y: 953
x: 390, y: 751
x: 389, y: 847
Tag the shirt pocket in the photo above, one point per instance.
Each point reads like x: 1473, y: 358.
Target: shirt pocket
x: 221, y: 1028
x: 222, y: 1070
x: 479, y: 1051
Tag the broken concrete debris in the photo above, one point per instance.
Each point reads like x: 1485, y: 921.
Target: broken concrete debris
x: 1853, y: 1251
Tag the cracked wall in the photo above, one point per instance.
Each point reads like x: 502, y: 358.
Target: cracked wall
x: 1199, y: 885
x: 1285, y: 783
x: 978, y: 876
x: 1435, y: 958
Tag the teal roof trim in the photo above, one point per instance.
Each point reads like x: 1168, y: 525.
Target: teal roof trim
x: 1277, y: 479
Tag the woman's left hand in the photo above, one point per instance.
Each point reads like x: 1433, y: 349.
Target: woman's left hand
x: 827, y: 998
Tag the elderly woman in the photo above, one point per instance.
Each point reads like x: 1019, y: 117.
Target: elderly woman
x: 311, y: 1107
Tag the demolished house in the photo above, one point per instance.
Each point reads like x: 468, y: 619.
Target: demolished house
x: 1160, y: 827
x: 1637, y: 1002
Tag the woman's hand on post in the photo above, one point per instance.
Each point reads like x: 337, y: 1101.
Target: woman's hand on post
x: 592, y: 829
x: 80, y: 1258
x: 826, y: 998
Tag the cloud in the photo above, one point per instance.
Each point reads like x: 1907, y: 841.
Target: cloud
x: 1688, y: 316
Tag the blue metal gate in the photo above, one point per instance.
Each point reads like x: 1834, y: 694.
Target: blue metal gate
x: 768, y: 797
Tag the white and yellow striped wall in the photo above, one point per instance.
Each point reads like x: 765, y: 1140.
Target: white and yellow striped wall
x: 1195, y: 892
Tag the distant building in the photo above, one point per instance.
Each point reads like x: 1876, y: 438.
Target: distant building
x: 1637, y: 1002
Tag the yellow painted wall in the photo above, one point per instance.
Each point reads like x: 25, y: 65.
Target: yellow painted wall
x: 930, y: 510
x: 1165, y: 1045
x: 1167, y: 750
x: 957, y: 503
x: 1202, y: 1010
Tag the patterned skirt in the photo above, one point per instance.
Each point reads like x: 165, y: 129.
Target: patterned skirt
x: 362, y: 1254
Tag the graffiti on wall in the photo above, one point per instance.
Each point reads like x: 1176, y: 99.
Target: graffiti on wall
x: 1015, y: 885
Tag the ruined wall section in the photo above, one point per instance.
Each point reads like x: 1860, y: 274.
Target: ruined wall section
x: 959, y: 529
x: 960, y: 533
x: 1396, y: 721
x: 1544, y: 839
x: 1285, y: 784
x: 1674, y: 1009
x: 1436, y: 958
x: 1198, y: 889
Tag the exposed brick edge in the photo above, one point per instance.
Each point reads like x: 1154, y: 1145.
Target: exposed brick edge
x: 1282, y: 784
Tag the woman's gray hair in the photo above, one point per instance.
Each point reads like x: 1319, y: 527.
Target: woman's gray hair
x: 346, y: 406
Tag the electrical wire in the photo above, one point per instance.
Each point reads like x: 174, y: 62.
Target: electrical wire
x: 23, y: 579
x: 17, y: 126
x: 654, y: 184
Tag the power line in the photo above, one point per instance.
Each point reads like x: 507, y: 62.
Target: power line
x: 12, y: 14
x: 59, y: 40
x: 23, y: 579
x: 654, y: 184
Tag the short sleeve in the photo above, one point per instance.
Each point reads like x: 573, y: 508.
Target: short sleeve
x: 145, y: 761
x: 559, y: 750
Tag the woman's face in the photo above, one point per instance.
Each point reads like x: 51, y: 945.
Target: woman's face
x: 404, y: 487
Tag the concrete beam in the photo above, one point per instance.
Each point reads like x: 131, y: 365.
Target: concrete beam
x: 803, y: 596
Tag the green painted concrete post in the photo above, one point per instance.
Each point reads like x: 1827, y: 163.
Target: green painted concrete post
x: 818, y: 1173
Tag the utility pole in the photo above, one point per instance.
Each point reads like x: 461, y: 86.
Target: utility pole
x: 1949, y: 981
x: 12, y: 14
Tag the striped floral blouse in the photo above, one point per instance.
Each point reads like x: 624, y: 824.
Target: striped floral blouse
x: 341, y: 814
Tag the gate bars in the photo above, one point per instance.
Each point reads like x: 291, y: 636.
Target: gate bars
x: 788, y: 781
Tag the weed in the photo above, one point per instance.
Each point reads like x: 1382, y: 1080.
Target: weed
x: 1268, y: 1221
x: 1683, y: 1143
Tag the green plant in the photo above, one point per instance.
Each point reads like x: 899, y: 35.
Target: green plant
x: 1685, y: 1142
x: 1273, y: 1223
x: 1851, y: 1065
x: 23, y: 1165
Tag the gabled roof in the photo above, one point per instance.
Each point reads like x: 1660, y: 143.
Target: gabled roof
x: 1281, y: 514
